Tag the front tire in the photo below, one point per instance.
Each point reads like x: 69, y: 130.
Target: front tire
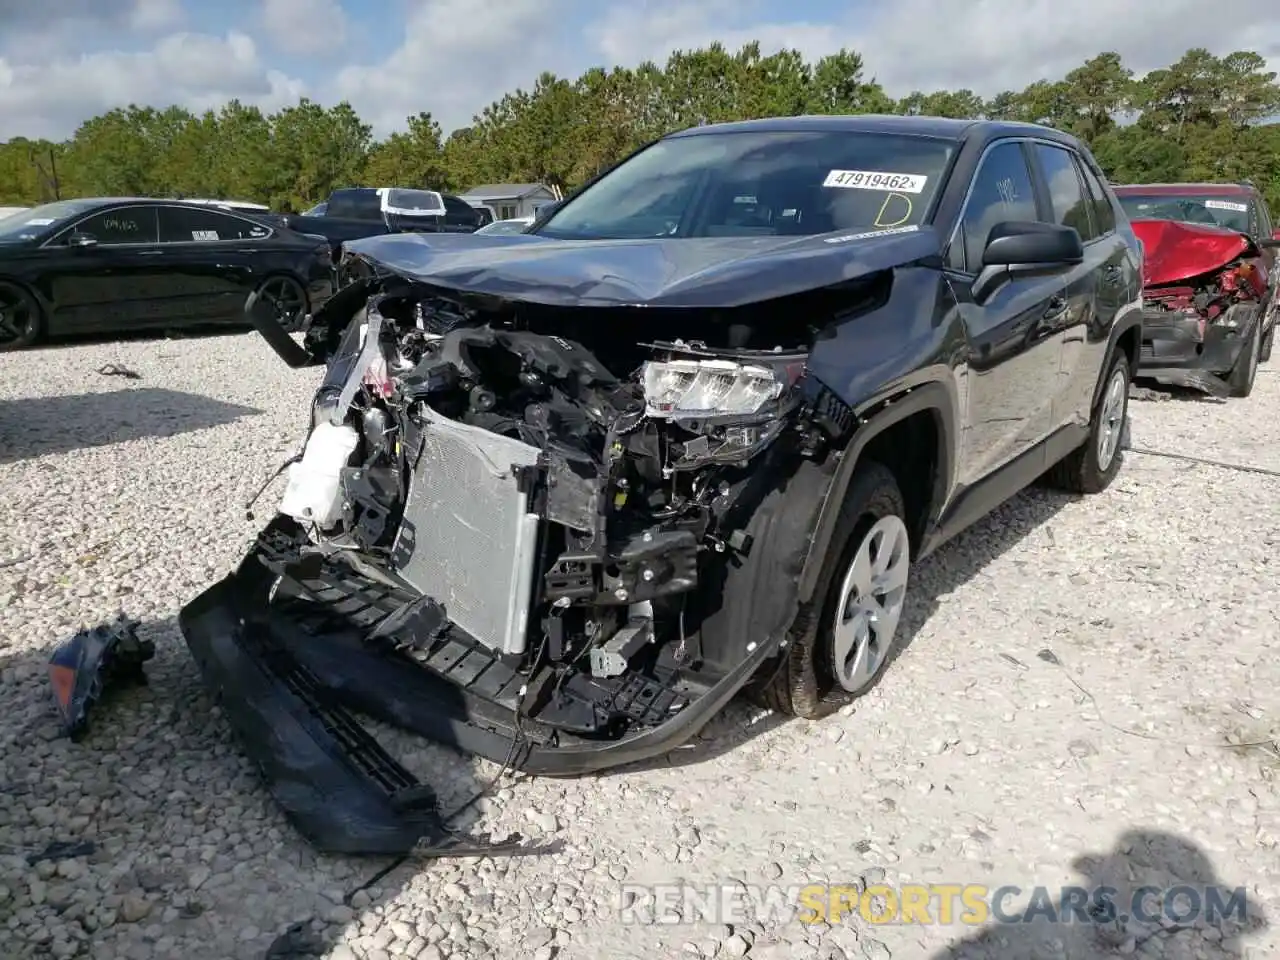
x: 1245, y: 373
x: 21, y: 319
x: 1092, y: 466
x: 1270, y: 318
x: 840, y: 654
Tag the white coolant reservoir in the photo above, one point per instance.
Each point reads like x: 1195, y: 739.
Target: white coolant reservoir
x: 314, y: 490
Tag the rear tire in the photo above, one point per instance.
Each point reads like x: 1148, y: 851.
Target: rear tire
x: 21, y: 319
x: 288, y: 300
x: 1092, y: 466
x: 1268, y: 340
x: 839, y: 651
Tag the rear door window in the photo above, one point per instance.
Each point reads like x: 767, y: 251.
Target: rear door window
x: 1104, y: 214
x: 200, y: 225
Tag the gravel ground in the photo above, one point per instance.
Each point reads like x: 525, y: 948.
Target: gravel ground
x: 1074, y: 673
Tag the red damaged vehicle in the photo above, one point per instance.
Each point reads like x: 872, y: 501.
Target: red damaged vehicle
x: 1212, y: 283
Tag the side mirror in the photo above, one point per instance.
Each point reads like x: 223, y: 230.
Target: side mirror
x: 1272, y: 244
x: 1032, y: 244
x: 82, y: 240
x: 1019, y: 245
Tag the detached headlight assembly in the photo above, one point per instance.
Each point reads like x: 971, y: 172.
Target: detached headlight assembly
x: 697, y: 389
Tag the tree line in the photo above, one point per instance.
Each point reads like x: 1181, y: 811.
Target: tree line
x: 1201, y: 118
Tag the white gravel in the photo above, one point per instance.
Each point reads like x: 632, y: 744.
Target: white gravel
x: 978, y: 759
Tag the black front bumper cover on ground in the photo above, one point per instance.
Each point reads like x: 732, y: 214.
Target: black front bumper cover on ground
x: 290, y: 673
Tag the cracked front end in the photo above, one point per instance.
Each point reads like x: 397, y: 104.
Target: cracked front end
x: 532, y: 533
x: 1205, y: 290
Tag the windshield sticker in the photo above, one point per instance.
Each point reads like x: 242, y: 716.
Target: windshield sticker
x: 1227, y: 205
x: 872, y: 233
x: 40, y: 222
x: 876, y: 180
x: 894, y: 203
x: 204, y: 235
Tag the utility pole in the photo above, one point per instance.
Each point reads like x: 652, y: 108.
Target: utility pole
x: 48, y: 178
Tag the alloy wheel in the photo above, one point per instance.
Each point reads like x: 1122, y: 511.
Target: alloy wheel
x: 18, y: 317
x: 287, y: 299
x: 870, y: 604
x: 1111, y: 423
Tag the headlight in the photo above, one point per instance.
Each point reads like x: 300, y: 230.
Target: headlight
x: 680, y: 389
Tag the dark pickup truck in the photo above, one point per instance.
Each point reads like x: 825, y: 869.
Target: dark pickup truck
x: 357, y: 212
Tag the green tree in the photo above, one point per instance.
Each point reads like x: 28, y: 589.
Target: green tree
x: 1202, y: 117
x: 412, y: 159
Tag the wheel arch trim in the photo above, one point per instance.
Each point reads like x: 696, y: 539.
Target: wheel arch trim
x: 934, y: 397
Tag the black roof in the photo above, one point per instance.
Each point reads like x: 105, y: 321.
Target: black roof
x: 940, y: 127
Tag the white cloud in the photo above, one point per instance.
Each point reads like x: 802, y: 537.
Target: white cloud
x: 198, y: 71
x: 62, y: 61
x: 456, y: 57
x: 153, y: 15
x: 304, y: 26
x: 993, y: 45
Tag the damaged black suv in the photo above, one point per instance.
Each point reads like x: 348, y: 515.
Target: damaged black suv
x: 565, y: 493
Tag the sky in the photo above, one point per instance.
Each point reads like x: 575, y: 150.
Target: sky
x: 63, y: 61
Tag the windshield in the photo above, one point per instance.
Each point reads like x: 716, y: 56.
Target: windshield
x: 1212, y: 211
x: 759, y: 184
x: 505, y: 226
x: 30, y: 224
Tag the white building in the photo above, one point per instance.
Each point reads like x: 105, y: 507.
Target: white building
x: 509, y: 201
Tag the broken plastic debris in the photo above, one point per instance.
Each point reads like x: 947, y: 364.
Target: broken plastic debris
x: 86, y: 666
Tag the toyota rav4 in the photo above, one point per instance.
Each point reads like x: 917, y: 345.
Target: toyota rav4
x: 565, y: 493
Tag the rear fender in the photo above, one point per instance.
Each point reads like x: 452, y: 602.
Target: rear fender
x: 1119, y: 329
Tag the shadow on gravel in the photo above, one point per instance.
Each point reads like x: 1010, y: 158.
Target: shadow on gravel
x: 1154, y: 894
x: 66, y: 341
x: 947, y: 570
x: 153, y: 837
x: 52, y: 425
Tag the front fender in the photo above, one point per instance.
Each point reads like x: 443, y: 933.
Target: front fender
x: 935, y: 397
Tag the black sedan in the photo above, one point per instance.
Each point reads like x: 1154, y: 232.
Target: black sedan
x: 108, y: 265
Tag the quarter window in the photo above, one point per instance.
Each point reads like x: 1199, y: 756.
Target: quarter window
x: 123, y: 225
x: 197, y: 225
x: 1001, y: 191
x: 1066, y: 194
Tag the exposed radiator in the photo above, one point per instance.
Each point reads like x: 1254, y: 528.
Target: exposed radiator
x: 468, y: 539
